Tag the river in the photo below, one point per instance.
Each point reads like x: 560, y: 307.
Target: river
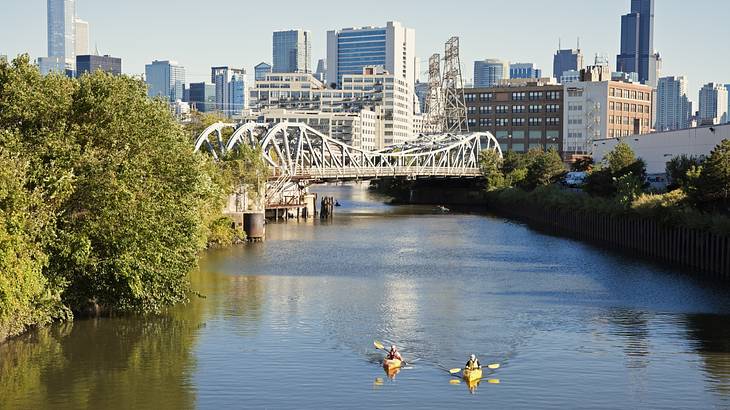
x: 290, y: 323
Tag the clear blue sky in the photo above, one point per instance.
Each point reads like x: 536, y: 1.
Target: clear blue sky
x: 693, y: 37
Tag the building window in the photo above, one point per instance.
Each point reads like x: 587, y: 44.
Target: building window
x: 518, y: 121
x: 553, y: 121
x: 485, y: 109
x: 556, y: 108
x: 472, y: 122
x: 518, y: 96
x: 470, y: 97
x: 553, y: 95
x: 535, y: 95
x: 502, y: 109
x: 535, y: 135
x: 611, y: 119
x: 535, y: 108
x: 518, y: 109
x: 612, y: 105
x: 486, y: 97
x: 471, y: 110
x: 633, y: 95
x: 626, y: 107
x: 485, y: 122
x: 612, y: 92
x: 502, y: 122
x: 534, y: 121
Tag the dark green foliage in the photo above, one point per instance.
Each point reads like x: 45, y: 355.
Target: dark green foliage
x: 108, y: 201
x: 620, y: 169
x: 582, y: 165
x: 545, y: 168
x: 710, y: 184
x: 678, y: 167
x: 490, y: 165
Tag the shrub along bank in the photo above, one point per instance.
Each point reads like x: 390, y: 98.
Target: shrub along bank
x: 104, y: 207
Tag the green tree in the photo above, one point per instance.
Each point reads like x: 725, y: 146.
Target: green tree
x: 710, y: 188
x: 582, y: 165
x: 490, y: 164
x: 544, y: 168
x: 678, y: 167
x: 620, y: 157
x: 129, y: 202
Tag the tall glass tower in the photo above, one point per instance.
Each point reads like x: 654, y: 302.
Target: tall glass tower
x: 292, y: 51
x: 637, y: 43
x: 62, y: 31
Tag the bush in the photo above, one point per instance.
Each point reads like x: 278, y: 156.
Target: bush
x: 678, y: 167
x: 710, y: 183
x: 545, y: 168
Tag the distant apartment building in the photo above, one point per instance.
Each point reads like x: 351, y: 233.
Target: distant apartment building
x: 91, y: 63
x: 357, y: 129
x: 350, y: 50
x: 567, y: 60
x: 202, y: 97
x: 524, y: 70
x: 713, y: 104
x: 230, y: 90
x: 292, y: 51
x: 165, y: 79
x: 374, y: 89
x: 674, y: 109
x: 260, y: 71
x: 599, y: 108
x: 489, y: 72
x: 522, y: 116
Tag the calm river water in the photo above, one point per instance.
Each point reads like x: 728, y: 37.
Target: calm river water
x: 290, y: 323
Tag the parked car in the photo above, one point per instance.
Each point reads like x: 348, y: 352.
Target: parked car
x: 575, y: 179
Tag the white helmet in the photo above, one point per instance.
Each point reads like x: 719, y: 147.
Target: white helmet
x: 392, y: 347
x: 472, y: 357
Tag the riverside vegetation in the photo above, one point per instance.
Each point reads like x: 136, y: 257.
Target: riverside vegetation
x: 698, y: 197
x: 104, y: 206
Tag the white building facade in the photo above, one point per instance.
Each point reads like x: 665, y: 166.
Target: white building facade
x: 713, y: 104
x: 656, y: 149
x: 674, y: 109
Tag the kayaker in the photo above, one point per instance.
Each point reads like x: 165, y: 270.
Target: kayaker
x: 473, y: 363
x: 394, y: 354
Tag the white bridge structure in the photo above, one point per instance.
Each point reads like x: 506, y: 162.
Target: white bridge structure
x: 297, y: 153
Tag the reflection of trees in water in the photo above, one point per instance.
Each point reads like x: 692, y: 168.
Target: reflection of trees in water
x: 710, y: 335
x: 633, y: 327
x: 123, y: 362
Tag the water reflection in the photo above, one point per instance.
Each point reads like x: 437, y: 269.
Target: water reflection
x: 711, y: 335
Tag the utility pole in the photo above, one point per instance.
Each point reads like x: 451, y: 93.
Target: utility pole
x: 453, y: 89
x: 434, y: 102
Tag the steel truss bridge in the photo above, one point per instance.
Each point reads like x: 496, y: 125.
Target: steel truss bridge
x: 299, y: 155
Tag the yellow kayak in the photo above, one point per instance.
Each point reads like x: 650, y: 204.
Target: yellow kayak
x: 472, y: 375
x: 390, y: 364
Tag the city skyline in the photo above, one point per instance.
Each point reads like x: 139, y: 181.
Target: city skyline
x: 149, y: 39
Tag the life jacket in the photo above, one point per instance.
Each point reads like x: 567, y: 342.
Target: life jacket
x: 472, y: 364
x: 394, y: 354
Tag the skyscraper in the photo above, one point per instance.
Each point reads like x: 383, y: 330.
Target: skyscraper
x: 292, y: 51
x: 637, y: 43
x: 713, y: 104
x: 61, y: 31
x: 567, y: 60
x: 260, y: 71
x: 674, y: 109
x: 489, y: 72
x: 351, y: 49
x: 81, y: 28
x: 230, y: 89
x: 524, y: 70
x: 165, y: 79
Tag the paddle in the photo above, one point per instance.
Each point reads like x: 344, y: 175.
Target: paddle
x: 492, y: 366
